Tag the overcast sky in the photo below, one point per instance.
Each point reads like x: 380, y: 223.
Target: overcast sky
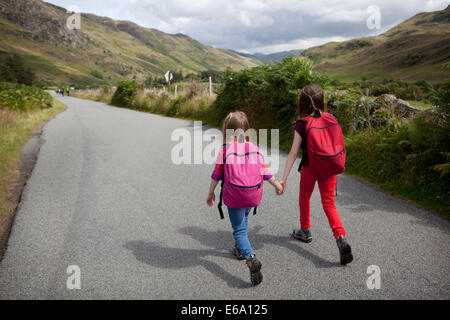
x: 261, y: 25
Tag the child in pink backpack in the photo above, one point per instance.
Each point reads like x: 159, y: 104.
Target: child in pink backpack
x: 242, y: 170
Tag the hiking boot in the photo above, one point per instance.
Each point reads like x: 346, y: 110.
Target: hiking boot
x: 237, y: 253
x: 303, y: 235
x: 345, y: 251
x: 254, y: 265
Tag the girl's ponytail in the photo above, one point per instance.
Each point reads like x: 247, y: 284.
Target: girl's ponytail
x: 311, y: 99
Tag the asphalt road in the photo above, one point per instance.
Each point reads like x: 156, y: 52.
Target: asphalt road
x: 105, y: 196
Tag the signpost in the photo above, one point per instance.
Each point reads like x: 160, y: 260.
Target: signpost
x: 210, y: 86
x: 169, y: 77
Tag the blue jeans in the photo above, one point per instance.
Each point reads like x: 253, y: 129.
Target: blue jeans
x: 239, y: 222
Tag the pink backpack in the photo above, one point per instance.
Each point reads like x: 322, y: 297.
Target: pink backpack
x: 243, y: 177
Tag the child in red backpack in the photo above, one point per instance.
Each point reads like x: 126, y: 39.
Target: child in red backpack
x: 319, y: 133
x: 242, y: 169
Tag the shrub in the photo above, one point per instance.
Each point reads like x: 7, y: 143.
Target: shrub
x: 96, y: 74
x: 125, y: 94
x: 216, y: 76
x: 419, y: 91
x: 175, y: 106
x: 19, y: 97
x: 413, y: 160
x: 441, y: 97
x: 357, y: 112
x: 268, y: 93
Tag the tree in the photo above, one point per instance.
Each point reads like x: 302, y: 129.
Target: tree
x: 441, y: 97
x: 217, y: 76
x: 15, y: 70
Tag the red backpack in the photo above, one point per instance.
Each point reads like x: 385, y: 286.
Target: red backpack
x: 325, y: 145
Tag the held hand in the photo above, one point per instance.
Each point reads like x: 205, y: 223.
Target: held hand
x: 210, y: 199
x: 278, y: 188
x: 283, y: 185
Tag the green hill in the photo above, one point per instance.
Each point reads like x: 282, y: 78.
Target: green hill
x: 414, y: 50
x: 103, y: 50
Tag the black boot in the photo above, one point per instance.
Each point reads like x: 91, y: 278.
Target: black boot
x: 237, y: 253
x: 254, y: 265
x: 303, y: 235
x: 345, y: 251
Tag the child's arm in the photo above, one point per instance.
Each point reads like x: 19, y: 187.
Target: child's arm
x: 216, y: 176
x: 291, y: 158
x: 211, y: 196
x: 277, y: 185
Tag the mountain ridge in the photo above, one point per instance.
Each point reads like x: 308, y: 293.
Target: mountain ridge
x: 104, y: 51
x: 272, y: 57
x: 410, y: 51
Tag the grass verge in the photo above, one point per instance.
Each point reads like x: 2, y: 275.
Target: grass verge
x: 16, y: 128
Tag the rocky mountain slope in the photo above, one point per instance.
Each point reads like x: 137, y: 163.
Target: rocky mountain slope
x: 103, y: 50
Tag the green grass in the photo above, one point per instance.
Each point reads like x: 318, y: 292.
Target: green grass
x: 15, y: 130
x: 350, y: 77
x: 420, y: 104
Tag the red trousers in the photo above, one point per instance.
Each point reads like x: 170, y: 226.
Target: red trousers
x: 326, y: 188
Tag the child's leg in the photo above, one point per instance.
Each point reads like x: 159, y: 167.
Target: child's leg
x: 327, y: 188
x: 239, y: 222
x: 307, y: 182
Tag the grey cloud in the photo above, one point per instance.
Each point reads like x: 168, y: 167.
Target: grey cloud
x: 251, y: 24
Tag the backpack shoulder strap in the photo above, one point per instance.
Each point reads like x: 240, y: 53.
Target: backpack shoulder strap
x: 308, y: 121
x: 219, y: 206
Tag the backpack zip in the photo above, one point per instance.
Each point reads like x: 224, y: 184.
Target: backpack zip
x: 321, y: 128
x: 330, y: 156
x: 245, y: 187
x: 242, y: 155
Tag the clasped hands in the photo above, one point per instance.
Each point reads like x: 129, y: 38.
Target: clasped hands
x: 280, y: 187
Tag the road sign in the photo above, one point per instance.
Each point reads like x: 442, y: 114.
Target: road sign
x: 168, y: 76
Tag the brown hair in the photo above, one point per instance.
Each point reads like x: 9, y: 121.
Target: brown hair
x: 235, y: 120
x: 310, y: 99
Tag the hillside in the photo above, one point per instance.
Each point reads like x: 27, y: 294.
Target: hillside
x: 411, y: 51
x: 104, y: 50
